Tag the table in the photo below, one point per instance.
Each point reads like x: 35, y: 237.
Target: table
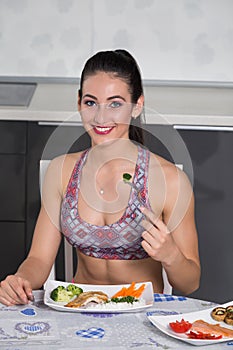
x: 36, y: 326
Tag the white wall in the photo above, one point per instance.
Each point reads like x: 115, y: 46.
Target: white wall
x: 171, y: 39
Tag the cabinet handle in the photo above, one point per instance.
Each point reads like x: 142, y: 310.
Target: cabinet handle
x: 203, y: 127
x: 60, y: 123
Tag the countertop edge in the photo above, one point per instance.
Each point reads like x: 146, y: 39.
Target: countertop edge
x: 74, y: 117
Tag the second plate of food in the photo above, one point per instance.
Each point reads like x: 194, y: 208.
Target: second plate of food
x: 205, y: 330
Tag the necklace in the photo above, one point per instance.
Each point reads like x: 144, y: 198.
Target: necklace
x: 99, y: 188
x: 101, y: 191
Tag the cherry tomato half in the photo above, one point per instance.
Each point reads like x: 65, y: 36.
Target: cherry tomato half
x: 180, y: 326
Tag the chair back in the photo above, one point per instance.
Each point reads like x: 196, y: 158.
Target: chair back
x: 68, y: 249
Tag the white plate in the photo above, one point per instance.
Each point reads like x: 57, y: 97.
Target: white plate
x: 110, y: 290
x: 162, y: 323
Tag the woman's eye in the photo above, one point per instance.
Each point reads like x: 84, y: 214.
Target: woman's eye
x: 89, y: 103
x: 115, y: 104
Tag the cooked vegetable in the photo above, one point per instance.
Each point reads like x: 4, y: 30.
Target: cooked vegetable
x: 75, y: 290
x: 129, y: 299
x: 229, y: 316
x: 218, y: 313
x: 126, y: 177
x: 180, y: 326
x: 229, y: 308
x: 62, y: 294
x: 130, y: 291
x: 201, y: 335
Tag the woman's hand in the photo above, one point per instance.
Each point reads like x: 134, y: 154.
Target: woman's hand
x: 15, y: 290
x: 157, y: 241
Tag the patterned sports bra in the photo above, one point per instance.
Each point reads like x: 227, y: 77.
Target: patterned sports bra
x: 120, y: 240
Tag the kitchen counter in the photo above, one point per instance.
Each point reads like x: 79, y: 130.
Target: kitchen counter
x: 164, y: 104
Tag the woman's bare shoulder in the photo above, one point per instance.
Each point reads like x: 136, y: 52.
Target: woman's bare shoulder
x: 174, y: 176
x: 63, y: 165
x: 157, y: 161
x: 65, y: 161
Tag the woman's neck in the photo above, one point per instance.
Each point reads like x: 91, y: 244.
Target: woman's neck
x: 112, y: 151
x: 102, y: 184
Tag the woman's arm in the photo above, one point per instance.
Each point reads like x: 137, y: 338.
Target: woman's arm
x: 172, y: 238
x: 45, y: 244
x: 33, y: 272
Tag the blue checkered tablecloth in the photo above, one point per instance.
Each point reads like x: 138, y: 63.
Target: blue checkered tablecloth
x: 36, y: 326
x: 93, y: 332
x: 167, y: 297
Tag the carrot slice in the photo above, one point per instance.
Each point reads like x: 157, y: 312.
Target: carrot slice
x: 131, y: 288
x: 130, y: 291
x: 138, y: 292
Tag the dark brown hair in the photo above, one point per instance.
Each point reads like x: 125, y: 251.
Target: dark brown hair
x: 122, y: 64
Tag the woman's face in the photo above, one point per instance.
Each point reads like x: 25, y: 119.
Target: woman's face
x: 105, y: 108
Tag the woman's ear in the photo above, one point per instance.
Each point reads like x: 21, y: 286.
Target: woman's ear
x: 137, y: 110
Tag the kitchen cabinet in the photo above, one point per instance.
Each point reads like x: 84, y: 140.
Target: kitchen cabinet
x: 211, y: 154
x: 12, y: 195
x: 12, y: 247
x: 12, y: 187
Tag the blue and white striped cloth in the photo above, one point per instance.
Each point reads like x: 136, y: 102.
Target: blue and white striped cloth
x: 167, y: 297
x: 93, y: 333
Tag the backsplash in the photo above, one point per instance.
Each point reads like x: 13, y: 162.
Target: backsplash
x: 188, y: 40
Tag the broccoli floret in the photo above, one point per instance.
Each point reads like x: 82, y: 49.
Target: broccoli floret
x: 126, y: 177
x: 74, y: 290
x: 60, y: 294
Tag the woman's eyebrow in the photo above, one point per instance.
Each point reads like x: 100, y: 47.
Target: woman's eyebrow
x: 116, y: 96
x: 91, y: 96
x: 108, y: 99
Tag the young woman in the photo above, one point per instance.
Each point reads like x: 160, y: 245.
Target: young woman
x: 121, y: 234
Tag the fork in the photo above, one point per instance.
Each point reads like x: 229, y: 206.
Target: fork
x: 32, y: 300
x: 134, y: 187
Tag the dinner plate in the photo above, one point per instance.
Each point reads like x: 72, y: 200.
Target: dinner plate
x: 147, y: 298
x: 162, y: 323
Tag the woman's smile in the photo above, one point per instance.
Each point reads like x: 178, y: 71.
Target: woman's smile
x: 102, y: 130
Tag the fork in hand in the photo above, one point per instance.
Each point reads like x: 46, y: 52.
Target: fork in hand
x: 126, y: 178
